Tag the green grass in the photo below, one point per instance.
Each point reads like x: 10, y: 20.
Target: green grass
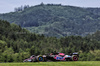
x: 78, y: 63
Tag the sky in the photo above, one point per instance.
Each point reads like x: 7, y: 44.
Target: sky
x: 9, y: 5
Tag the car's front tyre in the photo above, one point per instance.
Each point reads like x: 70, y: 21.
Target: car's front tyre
x: 40, y: 58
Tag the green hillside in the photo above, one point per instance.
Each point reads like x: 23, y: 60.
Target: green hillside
x: 16, y: 44
x: 56, y: 20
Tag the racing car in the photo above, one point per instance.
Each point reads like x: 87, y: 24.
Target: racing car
x: 53, y: 57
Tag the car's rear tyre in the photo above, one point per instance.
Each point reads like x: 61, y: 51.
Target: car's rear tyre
x: 75, y: 58
x: 40, y: 58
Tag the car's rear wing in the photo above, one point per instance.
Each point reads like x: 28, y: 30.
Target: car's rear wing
x: 75, y: 53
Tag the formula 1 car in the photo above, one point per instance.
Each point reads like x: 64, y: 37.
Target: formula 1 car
x: 53, y: 57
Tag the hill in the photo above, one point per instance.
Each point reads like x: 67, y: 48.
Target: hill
x: 56, y: 20
x: 16, y: 44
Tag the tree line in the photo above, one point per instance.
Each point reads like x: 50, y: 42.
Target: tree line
x: 17, y: 43
x: 21, y: 8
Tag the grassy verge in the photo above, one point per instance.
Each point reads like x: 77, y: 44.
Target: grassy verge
x: 78, y: 63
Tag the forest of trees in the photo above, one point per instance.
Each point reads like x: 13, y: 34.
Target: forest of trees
x: 21, y: 8
x: 17, y: 43
x: 56, y: 19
